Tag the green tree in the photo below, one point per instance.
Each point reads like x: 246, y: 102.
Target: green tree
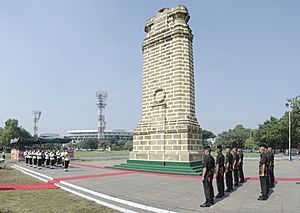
x: 88, y: 144
x: 234, y: 137
x: 104, y: 144
x: 269, y: 132
x: 128, y: 145
x: 10, y: 131
x: 276, y: 131
x: 207, y: 134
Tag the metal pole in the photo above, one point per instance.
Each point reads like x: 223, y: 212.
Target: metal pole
x: 290, y: 101
x: 290, y: 140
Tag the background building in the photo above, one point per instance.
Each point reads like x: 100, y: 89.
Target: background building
x: 117, y: 134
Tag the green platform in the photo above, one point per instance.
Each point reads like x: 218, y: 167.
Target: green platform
x: 181, y: 168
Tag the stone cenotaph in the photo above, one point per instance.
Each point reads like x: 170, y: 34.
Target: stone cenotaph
x: 168, y: 138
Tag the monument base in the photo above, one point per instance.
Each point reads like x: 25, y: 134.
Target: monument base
x: 166, y: 167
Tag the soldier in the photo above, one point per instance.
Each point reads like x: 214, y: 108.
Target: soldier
x: 47, y: 158
x: 43, y: 158
x: 4, y: 158
x: 52, y: 158
x: 207, y: 177
x: 235, y: 167
x: 3, y: 154
x: 240, y: 164
x: 58, y: 158
x: 263, y: 173
x: 39, y: 158
x: 62, y: 154
x: 271, y: 166
x: 66, y: 158
x: 220, y: 160
x: 228, y: 169
x: 25, y: 154
x: 34, y: 158
x: 30, y: 158
x: 55, y: 158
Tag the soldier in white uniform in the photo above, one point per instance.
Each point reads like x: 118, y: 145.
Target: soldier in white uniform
x: 62, y: 155
x: 47, y: 158
x: 25, y: 154
x: 43, y: 158
x: 58, y: 158
x: 66, y: 159
x: 30, y: 157
x: 34, y: 158
x: 52, y: 158
x: 3, y: 159
x: 39, y: 158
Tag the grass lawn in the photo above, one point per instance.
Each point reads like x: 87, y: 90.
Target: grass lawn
x: 12, y: 176
x: 44, y: 200
x: 82, y: 154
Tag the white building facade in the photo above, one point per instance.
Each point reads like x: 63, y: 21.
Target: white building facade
x: 117, y: 134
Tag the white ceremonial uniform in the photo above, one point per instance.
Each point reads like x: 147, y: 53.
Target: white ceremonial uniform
x: 25, y: 154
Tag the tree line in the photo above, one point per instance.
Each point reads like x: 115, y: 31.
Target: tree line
x: 114, y: 145
x: 12, y: 130
x: 274, y: 131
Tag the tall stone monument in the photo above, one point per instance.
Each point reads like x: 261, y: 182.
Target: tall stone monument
x: 168, y: 138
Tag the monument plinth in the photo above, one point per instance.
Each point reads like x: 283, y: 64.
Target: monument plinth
x: 168, y: 137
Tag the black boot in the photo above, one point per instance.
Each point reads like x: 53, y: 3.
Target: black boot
x: 262, y: 198
x: 228, y: 190
x: 219, y: 195
x: 206, y: 204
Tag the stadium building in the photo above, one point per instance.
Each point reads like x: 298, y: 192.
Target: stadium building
x: 117, y: 134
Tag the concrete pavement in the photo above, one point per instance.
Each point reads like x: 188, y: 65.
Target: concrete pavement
x: 182, y: 193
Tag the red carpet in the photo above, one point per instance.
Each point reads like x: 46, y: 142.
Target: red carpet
x: 28, y: 186
x: 55, y: 180
x: 173, y: 175
x: 92, y: 166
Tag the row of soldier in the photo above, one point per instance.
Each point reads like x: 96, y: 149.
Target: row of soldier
x: 231, y: 166
x: 38, y: 158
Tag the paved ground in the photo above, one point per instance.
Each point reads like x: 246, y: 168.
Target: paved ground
x: 182, y: 193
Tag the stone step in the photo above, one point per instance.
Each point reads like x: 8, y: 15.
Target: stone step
x: 163, y: 170
x: 175, y: 168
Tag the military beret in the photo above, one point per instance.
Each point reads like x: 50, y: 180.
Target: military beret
x: 219, y: 147
x: 262, y: 145
x: 206, y: 147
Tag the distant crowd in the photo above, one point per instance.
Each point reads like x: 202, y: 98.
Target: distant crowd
x: 50, y: 158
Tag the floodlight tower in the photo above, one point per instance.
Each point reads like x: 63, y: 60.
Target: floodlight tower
x: 36, y: 118
x: 101, y: 103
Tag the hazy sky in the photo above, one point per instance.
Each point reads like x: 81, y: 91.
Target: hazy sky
x: 55, y: 55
